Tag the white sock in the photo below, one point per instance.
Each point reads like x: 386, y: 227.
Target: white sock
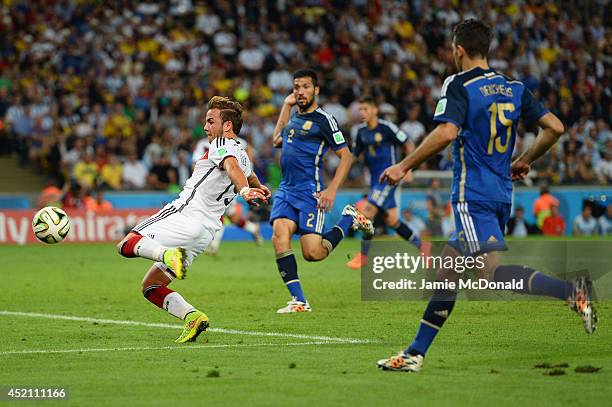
x: 149, y: 249
x: 213, y: 247
x: 251, y: 227
x: 176, y: 305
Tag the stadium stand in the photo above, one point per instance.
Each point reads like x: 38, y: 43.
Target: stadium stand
x: 85, y: 85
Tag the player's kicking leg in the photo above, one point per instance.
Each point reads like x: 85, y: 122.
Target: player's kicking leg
x: 315, y: 247
x: 402, y: 362
x: 578, y: 294
x: 384, y: 199
x: 361, y: 258
x: 288, y: 220
x: 155, y: 289
x: 137, y: 245
x: 171, y: 230
x: 487, y: 222
x: 580, y: 302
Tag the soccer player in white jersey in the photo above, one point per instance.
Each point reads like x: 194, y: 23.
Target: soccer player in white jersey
x: 185, y: 227
x: 234, y: 211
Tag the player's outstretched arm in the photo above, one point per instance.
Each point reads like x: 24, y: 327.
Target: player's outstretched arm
x: 283, y: 119
x: 231, y: 166
x: 551, y: 130
x: 328, y: 195
x: 436, y: 141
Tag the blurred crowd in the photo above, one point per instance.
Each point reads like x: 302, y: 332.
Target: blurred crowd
x: 594, y: 219
x: 111, y: 94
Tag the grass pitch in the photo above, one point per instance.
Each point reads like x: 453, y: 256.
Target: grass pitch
x: 484, y: 355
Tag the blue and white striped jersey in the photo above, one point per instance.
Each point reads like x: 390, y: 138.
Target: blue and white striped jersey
x: 306, y: 138
x: 486, y: 106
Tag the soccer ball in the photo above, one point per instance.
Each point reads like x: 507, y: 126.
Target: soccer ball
x: 51, y: 224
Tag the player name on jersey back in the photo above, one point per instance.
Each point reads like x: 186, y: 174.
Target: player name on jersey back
x: 486, y: 106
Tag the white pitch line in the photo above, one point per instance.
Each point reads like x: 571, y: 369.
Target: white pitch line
x: 174, y: 326
x: 176, y: 347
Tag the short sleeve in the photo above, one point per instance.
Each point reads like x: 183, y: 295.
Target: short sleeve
x: 221, y: 148
x: 330, y: 131
x: 397, y: 135
x: 400, y: 136
x: 453, y: 104
x: 531, y: 109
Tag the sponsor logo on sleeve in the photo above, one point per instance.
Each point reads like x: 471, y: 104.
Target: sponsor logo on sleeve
x: 440, y: 107
x: 338, y: 137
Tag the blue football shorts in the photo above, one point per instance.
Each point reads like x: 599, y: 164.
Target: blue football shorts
x: 383, y: 196
x: 479, y: 226
x: 300, y: 208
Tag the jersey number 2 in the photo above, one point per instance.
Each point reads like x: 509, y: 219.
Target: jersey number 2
x: 310, y: 219
x: 498, y: 113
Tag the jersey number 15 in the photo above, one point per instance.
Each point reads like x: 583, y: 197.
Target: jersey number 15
x: 498, y: 113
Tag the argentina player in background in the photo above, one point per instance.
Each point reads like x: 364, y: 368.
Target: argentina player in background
x: 380, y: 141
x: 478, y: 112
x: 301, y: 200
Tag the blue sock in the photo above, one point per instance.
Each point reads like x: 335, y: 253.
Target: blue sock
x: 365, y: 245
x: 534, y: 282
x: 438, y: 310
x: 332, y: 237
x: 287, y: 267
x: 405, y: 232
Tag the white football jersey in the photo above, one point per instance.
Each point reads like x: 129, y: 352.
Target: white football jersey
x: 200, y: 149
x: 209, y: 190
x: 203, y: 145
